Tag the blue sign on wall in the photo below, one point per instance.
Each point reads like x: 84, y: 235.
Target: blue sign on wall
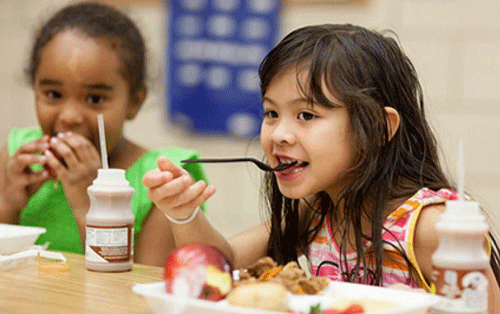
x: 214, y: 51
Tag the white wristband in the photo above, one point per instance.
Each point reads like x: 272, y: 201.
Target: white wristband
x: 184, y: 221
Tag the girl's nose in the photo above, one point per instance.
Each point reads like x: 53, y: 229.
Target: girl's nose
x: 70, y: 115
x: 283, y: 133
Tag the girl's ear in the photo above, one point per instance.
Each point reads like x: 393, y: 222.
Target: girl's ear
x: 393, y: 120
x: 136, y: 102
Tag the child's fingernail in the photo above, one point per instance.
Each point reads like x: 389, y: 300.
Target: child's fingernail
x: 201, y: 183
x: 210, y: 189
x: 53, y: 140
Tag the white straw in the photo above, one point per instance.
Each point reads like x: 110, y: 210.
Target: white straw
x: 460, y: 171
x: 102, y: 140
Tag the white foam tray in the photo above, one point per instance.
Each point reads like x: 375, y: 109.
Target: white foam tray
x: 408, y: 302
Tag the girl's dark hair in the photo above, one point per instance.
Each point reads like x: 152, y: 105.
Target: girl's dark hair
x: 367, y: 71
x: 99, y: 21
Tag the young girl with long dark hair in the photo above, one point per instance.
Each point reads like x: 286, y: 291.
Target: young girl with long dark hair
x: 363, y: 198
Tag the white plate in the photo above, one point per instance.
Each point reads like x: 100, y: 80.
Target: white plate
x: 406, y: 301
x: 15, y: 238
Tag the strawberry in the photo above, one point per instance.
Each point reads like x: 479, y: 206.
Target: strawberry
x: 332, y: 311
x: 354, y: 309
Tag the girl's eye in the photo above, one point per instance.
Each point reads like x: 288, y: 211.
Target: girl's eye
x: 53, y: 94
x: 95, y: 100
x: 270, y: 114
x: 306, y: 116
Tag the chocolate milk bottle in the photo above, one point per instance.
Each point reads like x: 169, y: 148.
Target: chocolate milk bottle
x: 460, y: 260
x: 109, y: 242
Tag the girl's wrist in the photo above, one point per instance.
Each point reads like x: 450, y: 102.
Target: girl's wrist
x: 186, y: 220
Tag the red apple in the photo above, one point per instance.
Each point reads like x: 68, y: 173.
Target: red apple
x: 198, y: 270
x: 52, y: 172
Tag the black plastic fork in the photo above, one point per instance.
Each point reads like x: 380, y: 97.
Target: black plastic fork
x: 258, y: 163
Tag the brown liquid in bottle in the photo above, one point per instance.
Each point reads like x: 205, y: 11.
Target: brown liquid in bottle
x: 109, y: 242
x: 460, y: 260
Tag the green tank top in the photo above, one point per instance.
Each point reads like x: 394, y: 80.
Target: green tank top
x: 50, y: 209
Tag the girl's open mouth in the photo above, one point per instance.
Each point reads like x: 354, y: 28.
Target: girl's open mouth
x: 293, y: 169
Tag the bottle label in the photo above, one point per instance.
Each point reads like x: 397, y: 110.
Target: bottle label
x: 464, y: 290
x: 109, y: 244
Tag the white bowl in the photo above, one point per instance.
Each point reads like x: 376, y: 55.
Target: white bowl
x: 15, y: 238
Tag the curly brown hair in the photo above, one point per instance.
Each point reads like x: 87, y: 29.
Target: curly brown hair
x: 97, y: 20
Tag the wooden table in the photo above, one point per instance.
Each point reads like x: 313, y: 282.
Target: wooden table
x: 24, y: 289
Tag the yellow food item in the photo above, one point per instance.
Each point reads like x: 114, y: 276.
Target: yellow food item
x: 51, y: 266
x: 217, y: 278
x: 263, y: 295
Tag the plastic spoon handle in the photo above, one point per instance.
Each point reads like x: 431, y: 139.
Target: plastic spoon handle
x: 258, y: 163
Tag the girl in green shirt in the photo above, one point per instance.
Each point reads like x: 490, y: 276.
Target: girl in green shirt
x: 88, y: 59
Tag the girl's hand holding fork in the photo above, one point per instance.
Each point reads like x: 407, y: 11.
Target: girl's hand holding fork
x: 173, y: 190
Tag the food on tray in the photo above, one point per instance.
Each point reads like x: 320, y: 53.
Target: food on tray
x: 351, y: 306
x: 263, y: 295
x: 352, y: 309
x: 369, y: 305
x: 290, y: 276
x: 199, y: 271
x: 265, y: 285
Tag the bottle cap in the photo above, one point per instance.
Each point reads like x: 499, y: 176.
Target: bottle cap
x: 111, y: 177
x: 463, y: 215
